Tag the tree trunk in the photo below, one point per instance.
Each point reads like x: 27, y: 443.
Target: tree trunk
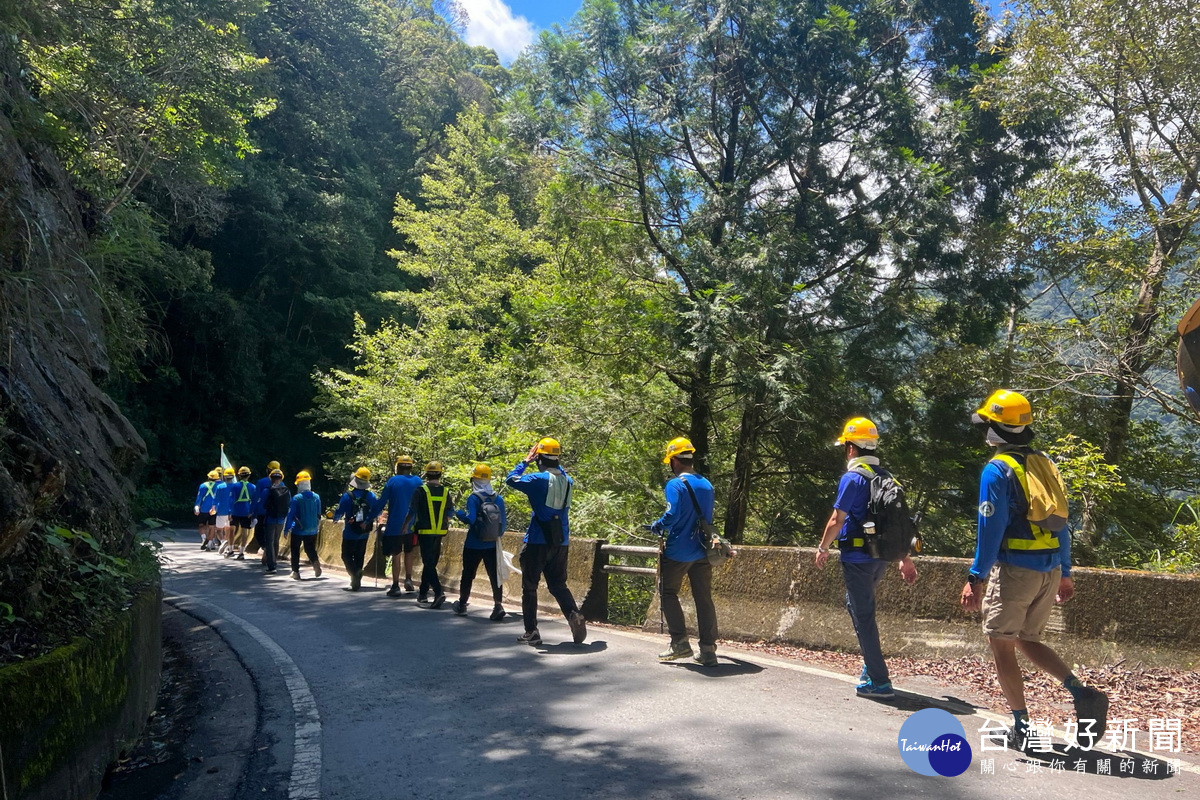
x: 739, y: 487
x: 700, y: 405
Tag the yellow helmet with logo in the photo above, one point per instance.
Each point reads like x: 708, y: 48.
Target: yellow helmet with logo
x: 549, y: 447
x: 860, y: 431
x: 303, y: 475
x: 362, y: 473
x: 677, y: 447
x: 1005, y: 407
x: 272, y: 465
x: 482, y: 472
x: 434, y: 468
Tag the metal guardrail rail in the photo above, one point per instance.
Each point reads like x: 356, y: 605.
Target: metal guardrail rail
x: 627, y: 550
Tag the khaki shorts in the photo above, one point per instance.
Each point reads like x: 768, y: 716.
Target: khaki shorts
x: 222, y: 520
x: 1018, y: 602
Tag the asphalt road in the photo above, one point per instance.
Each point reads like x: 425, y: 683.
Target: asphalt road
x: 363, y: 696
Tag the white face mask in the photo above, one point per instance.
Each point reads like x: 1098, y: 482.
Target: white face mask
x: 304, y: 486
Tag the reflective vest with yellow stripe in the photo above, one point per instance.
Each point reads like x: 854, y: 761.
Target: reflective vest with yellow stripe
x: 435, y: 520
x: 1021, y: 534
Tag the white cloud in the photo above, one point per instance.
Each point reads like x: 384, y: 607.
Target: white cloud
x: 491, y: 23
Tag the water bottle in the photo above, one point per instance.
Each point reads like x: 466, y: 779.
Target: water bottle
x: 871, y: 539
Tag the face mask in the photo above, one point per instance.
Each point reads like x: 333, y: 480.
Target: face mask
x: 304, y: 486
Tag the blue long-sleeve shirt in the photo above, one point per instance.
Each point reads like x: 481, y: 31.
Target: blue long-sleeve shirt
x: 535, y: 486
x: 396, y: 496
x: 223, y: 498
x: 679, y: 521
x: 471, y: 513
x: 260, y: 494
x: 206, y: 498
x: 1001, y: 514
x: 346, y: 509
x: 304, y: 515
x: 243, y: 494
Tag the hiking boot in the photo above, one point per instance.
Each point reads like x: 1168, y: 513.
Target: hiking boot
x: 879, y: 691
x: 459, y: 608
x: 1091, y: 704
x: 438, y: 601
x: 356, y: 581
x: 707, y: 657
x: 676, y: 652
x: 498, y: 613
x: 578, y: 627
x: 316, y: 565
x: 408, y: 586
x: 295, y: 574
x: 531, y: 638
x: 394, y: 591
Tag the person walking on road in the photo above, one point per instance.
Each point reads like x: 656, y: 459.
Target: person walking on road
x: 486, y: 519
x: 274, y: 504
x: 357, y: 507
x: 544, y: 548
x: 303, y: 523
x: 862, y: 571
x: 398, y: 541
x: 260, y: 520
x: 689, y: 498
x: 223, y: 501
x: 1022, y: 568
x: 431, y: 508
x: 206, y: 509
x: 243, y: 493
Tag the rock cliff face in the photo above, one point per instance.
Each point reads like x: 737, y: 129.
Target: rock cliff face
x: 66, y: 451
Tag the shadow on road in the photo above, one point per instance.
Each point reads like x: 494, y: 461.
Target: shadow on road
x: 726, y: 668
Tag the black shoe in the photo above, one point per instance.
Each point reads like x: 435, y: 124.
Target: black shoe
x: 459, y: 607
x: 531, y: 638
x: 269, y: 571
x: 422, y: 601
x: 498, y: 613
x: 1092, y: 704
x: 204, y: 546
x: 438, y: 601
x: 240, y: 557
x: 408, y: 586
x: 394, y: 591
x: 578, y: 627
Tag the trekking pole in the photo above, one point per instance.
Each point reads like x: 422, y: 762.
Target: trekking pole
x: 657, y: 576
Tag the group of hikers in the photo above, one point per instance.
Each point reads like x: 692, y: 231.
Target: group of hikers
x: 1021, y: 566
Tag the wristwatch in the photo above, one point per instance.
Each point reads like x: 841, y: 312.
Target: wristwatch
x: 974, y: 579
x: 822, y: 549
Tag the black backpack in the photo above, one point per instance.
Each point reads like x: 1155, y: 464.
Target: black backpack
x: 487, y: 521
x: 895, y: 529
x: 361, y: 505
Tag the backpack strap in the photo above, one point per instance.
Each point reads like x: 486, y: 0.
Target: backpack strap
x: 1041, y: 539
x: 696, y: 505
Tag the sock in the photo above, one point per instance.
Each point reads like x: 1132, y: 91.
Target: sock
x: 1074, y: 686
x: 1020, y: 721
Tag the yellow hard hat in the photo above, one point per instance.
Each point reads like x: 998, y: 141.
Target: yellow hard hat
x: 549, y: 447
x: 678, y: 447
x: 482, y: 472
x: 303, y: 475
x: 213, y: 474
x: 276, y: 473
x: 243, y: 470
x: 272, y: 465
x: 434, y: 468
x: 404, y: 461
x: 1006, y: 407
x: 228, y: 471
x: 860, y: 431
x: 362, y: 473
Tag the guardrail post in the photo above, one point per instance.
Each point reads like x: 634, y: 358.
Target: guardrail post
x: 595, y: 602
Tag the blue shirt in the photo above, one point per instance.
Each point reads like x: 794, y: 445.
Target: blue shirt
x: 243, y: 494
x: 206, y: 498
x: 853, y: 497
x: 304, y: 514
x: 396, y: 496
x: 684, y: 541
x: 223, y: 502
x: 535, y: 486
x: 346, y: 509
x: 1001, y: 514
x: 468, y: 517
x: 260, y: 494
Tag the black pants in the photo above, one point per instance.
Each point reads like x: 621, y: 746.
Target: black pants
x: 536, y: 560
x: 431, y: 553
x: 471, y: 559
x: 354, y: 553
x: 260, y: 533
x: 699, y: 575
x: 270, y: 543
x: 310, y: 548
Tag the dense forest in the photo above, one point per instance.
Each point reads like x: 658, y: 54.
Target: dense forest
x: 329, y: 232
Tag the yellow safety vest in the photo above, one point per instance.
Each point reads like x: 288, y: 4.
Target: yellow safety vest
x: 437, y: 520
x: 1039, y: 539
